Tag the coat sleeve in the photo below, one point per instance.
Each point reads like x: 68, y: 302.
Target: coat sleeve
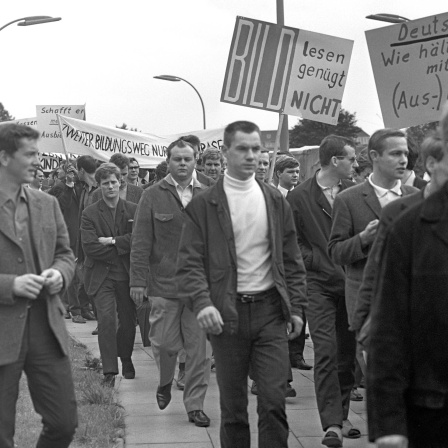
x: 294, y: 268
x: 89, y: 238
x: 344, y: 246
x: 142, y: 241
x: 191, y: 273
x: 388, y: 375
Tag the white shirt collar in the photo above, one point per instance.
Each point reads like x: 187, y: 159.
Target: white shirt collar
x: 381, y: 192
x: 284, y: 191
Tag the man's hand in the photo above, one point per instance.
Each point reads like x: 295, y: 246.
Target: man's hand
x: 368, y: 234
x: 105, y: 241
x: 294, y: 327
x: 392, y: 441
x: 210, y: 320
x: 137, y: 294
x: 70, y: 176
x: 28, y: 286
x: 53, y: 280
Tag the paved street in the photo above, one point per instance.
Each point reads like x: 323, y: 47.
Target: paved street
x: 149, y: 427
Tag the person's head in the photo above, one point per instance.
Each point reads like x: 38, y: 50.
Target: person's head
x: 108, y: 178
x: 212, y: 162
x: 242, y: 146
x: 363, y: 168
x: 134, y: 168
x: 86, y: 166
x: 287, y: 170
x: 161, y: 170
x: 142, y: 173
x: 193, y: 141
x: 38, y: 180
x: 435, y: 159
x: 18, y: 153
x: 122, y: 162
x: 263, y: 166
x: 181, y: 159
x: 337, y: 153
x: 413, y: 151
x: 388, y: 152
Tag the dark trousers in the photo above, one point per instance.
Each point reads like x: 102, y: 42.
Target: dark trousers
x: 75, y: 298
x: 260, y: 343
x: 334, y: 355
x: 49, y: 380
x: 115, y: 338
x: 427, y: 427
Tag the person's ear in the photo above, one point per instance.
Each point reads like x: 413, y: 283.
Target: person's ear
x: 4, y: 158
x: 374, y: 155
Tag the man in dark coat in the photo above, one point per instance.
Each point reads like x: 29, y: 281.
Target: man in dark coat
x: 106, y: 229
x: 36, y: 263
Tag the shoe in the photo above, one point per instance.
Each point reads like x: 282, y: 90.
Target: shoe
x: 163, y: 396
x: 67, y: 315
x: 78, y: 319
x: 95, y: 332
x: 212, y: 364
x: 290, y: 391
x: 355, y: 395
x: 127, y: 368
x: 199, y: 418
x: 332, y: 440
x: 88, y: 315
x: 299, y: 363
x: 181, y: 379
x: 254, y: 388
x: 349, y: 431
x: 109, y: 380
x: 307, y: 335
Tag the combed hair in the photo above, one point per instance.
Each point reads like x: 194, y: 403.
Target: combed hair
x: 120, y: 160
x: 192, y: 139
x: 12, y: 133
x: 434, y: 146
x: 88, y: 163
x: 333, y: 146
x: 132, y: 160
x: 243, y: 126
x: 413, y: 151
x: 180, y: 143
x: 212, y: 154
x: 106, y: 170
x: 161, y: 170
x: 376, y: 141
x: 286, y: 162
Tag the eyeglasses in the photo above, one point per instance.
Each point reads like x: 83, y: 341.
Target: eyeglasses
x: 134, y: 167
x: 351, y: 159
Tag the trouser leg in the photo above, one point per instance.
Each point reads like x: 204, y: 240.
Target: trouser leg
x: 126, y: 320
x: 165, y: 336
x: 197, y: 366
x: 322, y: 311
x: 106, y: 307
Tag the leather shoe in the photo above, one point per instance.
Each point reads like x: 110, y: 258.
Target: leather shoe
x: 95, y: 332
x: 88, y: 315
x: 127, y: 368
x: 181, y: 380
x: 163, y: 396
x: 67, y: 315
x: 109, y: 380
x: 290, y: 391
x: 199, y: 418
x: 299, y: 363
x: 254, y: 388
x: 78, y: 319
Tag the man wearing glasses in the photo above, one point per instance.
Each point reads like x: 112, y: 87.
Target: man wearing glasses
x: 132, y: 177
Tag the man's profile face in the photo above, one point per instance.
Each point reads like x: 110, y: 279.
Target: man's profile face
x: 394, y: 159
x: 133, y: 171
x: 181, y: 163
x: 243, y: 154
x: 23, y: 163
x: 124, y: 174
x: 38, y: 179
x: 110, y: 187
x: 289, y: 178
x: 212, y: 168
x: 346, y: 163
x: 263, y: 166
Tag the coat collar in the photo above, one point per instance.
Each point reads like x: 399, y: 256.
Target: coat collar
x: 107, y: 215
x: 435, y: 210
x: 371, y: 198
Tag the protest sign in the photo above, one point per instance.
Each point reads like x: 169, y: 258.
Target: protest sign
x: 286, y: 70
x: 48, y: 126
x: 101, y: 142
x: 31, y: 122
x: 410, y: 65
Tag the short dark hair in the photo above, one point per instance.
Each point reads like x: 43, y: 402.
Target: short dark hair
x: 88, y: 163
x: 243, y: 126
x: 363, y: 162
x: 12, y: 133
x: 413, y: 151
x: 376, y: 141
x: 133, y: 160
x: 192, y: 139
x: 120, y: 160
x: 286, y: 162
x: 434, y: 146
x: 180, y: 143
x: 212, y: 154
x: 106, y: 170
x: 333, y: 146
x: 161, y: 170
